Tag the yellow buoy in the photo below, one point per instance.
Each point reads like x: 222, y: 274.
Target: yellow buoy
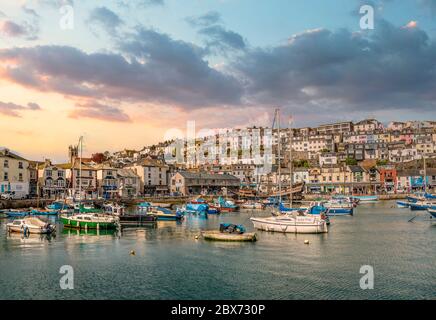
x: 196, y: 237
x: 306, y: 242
x: 132, y: 253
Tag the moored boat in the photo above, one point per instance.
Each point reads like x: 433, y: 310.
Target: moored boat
x: 43, y: 212
x: 403, y: 204
x: 137, y: 219
x: 216, y: 235
x: 421, y: 205
x: 252, y: 205
x: 30, y: 225
x: 89, y: 221
x: 229, y: 232
x: 296, y: 222
x: 432, y: 211
x: 163, y: 214
x: 366, y: 198
x: 17, y: 213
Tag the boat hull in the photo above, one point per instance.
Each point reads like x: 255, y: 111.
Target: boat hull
x: 418, y: 207
x: 339, y: 211
x: 137, y: 219
x: 403, y: 204
x: 229, y: 237
x: 79, y: 224
x: 35, y: 230
x: 432, y: 212
x: 269, y: 224
x: 366, y: 198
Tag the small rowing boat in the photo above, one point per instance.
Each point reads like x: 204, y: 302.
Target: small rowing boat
x: 216, y: 235
x: 229, y: 232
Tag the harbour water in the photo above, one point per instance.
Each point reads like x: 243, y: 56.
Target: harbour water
x: 170, y: 263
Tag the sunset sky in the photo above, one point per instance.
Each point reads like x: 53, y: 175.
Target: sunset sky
x: 130, y: 70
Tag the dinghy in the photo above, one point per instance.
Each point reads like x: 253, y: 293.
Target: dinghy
x: 231, y: 233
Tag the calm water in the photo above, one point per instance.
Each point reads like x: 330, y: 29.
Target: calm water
x: 170, y: 264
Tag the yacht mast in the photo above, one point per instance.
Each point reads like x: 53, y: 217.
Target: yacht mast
x: 291, y: 163
x: 80, y: 169
x: 279, y: 154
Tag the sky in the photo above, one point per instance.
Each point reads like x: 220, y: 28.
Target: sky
x: 130, y: 73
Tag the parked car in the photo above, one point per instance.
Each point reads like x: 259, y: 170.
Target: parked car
x: 12, y: 195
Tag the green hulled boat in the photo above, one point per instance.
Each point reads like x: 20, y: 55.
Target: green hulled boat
x: 89, y: 221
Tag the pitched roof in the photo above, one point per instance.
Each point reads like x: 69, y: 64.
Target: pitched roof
x: 8, y: 154
x: 356, y: 169
x: 127, y: 173
x: 195, y: 175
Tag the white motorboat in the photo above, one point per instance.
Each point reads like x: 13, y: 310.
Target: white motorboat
x: 295, y: 222
x: 252, y: 205
x: 30, y: 225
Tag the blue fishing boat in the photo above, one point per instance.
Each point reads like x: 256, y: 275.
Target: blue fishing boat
x: 403, y: 204
x: 17, y: 213
x: 283, y: 209
x: 38, y: 212
x: 421, y: 205
x: 319, y: 209
x: 57, y: 206
x: 432, y: 211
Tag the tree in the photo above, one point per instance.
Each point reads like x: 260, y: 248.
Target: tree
x: 98, y: 157
x: 350, y: 161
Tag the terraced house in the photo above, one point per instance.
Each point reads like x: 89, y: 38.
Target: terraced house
x: 52, y: 180
x: 14, y: 173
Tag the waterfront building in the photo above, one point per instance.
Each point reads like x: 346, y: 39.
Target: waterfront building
x: 107, y: 181
x: 388, y: 178
x: 153, y: 174
x: 14, y: 173
x: 81, y: 177
x: 129, y: 183
x: 193, y: 183
x: 33, y: 178
x: 52, y: 180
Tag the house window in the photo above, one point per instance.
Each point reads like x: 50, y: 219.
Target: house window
x: 20, y: 177
x: 20, y: 165
x: 60, y: 174
x: 6, y: 164
x: 48, y: 173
